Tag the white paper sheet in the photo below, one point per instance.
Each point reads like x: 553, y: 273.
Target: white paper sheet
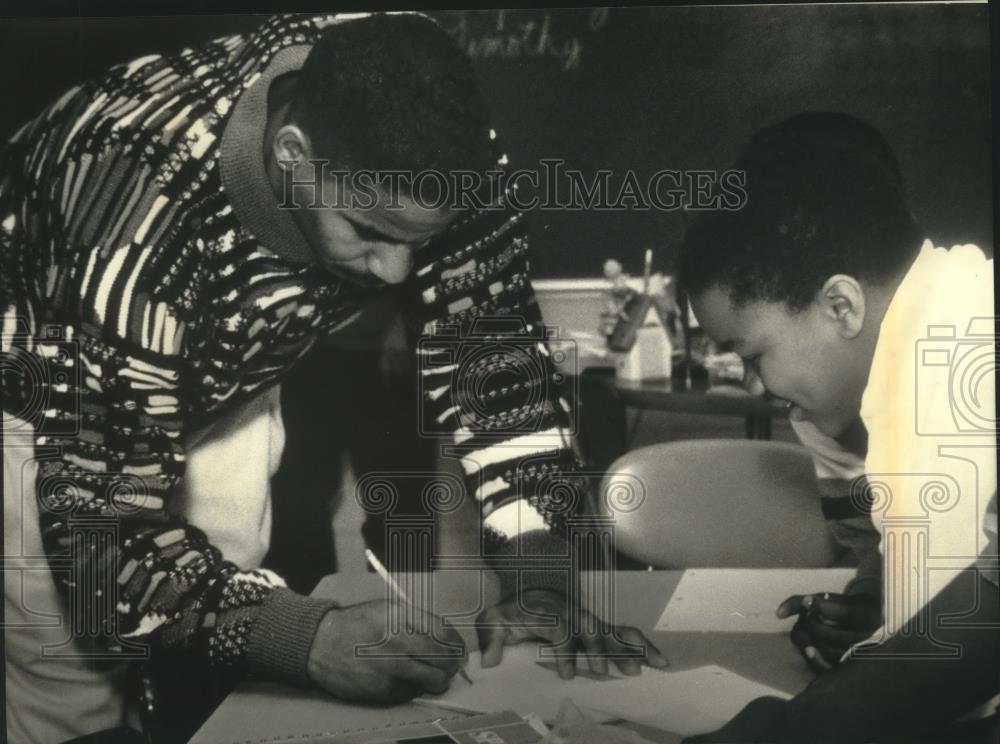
x: 518, y: 684
x: 743, y: 600
x: 690, y: 702
x: 684, y: 703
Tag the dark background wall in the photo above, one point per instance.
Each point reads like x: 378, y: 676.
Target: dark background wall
x: 647, y: 89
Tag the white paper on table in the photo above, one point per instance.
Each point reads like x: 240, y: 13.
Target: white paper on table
x: 695, y: 701
x: 743, y: 600
x: 516, y: 684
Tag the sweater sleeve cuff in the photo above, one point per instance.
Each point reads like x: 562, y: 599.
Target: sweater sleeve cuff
x: 282, y: 636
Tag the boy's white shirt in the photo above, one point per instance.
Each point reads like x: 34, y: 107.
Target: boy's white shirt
x: 930, y: 411
x: 830, y: 459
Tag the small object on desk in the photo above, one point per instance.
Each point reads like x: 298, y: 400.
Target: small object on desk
x: 617, y: 296
x: 381, y: 570
x: 641, y: 342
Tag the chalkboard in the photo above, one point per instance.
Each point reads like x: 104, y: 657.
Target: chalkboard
x: 646, y: 89
x: 641, y: 90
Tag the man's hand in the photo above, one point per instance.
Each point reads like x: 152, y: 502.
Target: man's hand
x: 510, y: 622
x: 421, y: 656
x: 829, y: 624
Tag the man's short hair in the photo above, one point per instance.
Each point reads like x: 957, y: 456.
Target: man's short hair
x: 824, y: 197
x: 393, y: 92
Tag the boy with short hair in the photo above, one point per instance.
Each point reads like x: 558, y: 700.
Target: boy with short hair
x: 825, y: 285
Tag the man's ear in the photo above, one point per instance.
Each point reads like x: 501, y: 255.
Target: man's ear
x: 842, y: 299
x: 290, y: 147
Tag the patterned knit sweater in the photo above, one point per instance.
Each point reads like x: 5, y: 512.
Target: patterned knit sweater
x: 152, y: 290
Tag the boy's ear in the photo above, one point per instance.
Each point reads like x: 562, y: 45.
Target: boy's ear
x: 290, y: 147
x: 842, y: 299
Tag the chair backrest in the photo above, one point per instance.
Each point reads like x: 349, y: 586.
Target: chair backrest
x: 718, y: 503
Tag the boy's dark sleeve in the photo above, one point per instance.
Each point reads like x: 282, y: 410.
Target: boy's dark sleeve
x: 491, y: 393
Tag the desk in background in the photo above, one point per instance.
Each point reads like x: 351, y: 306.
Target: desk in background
x: 572, y: 308
x: 603, y: 400
x: 680, y: 395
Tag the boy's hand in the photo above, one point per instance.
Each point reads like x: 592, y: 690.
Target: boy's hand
x: 829, y: 624
x: 511, y: 622
x: 418, y: 653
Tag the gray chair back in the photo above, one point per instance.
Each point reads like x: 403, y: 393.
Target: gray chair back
x: 722, y: 503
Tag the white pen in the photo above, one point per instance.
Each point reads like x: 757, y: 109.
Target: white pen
x: 381, y: 570
x: 375, y: 563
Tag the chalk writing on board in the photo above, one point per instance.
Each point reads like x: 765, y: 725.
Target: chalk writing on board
x: 506, y: 34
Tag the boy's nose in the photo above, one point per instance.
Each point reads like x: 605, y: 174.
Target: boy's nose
x: 752, y: 382
x: 391, y: 262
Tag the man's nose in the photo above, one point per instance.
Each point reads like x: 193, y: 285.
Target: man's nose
x: 751, y: 381
x: 391, y: 262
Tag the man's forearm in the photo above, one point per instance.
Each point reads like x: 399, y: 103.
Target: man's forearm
x: 488, y: 386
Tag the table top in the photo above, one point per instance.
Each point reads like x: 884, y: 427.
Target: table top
x: 267, y: 712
